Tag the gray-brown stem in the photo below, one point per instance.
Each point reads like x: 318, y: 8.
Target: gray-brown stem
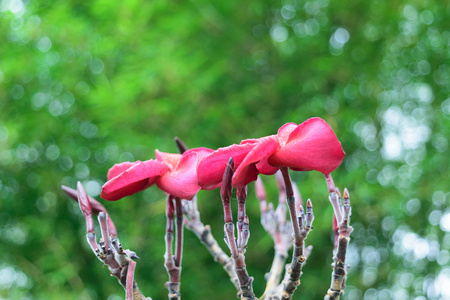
x: 109, y: 250
x: 301, y: 227
x: 193, y: 223
x: 237, y: 254
x: 339, y: 273
x: 274, y: 276
x: 274, y: 222
x: 173, y: 285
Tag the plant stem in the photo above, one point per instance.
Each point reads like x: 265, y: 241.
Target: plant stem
x: 274, y: 222
x: 109, y: 250
x: 339, y: 273
x: 179, y: 232
x: 237, y: 254
x: 173, y: 285
x: 301, y: 227
x: 274, y: 276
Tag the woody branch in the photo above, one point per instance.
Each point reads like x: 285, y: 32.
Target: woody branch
x: 302, y: 225
x: 342, y: 213
x: 108, y: 250
x: 237, y: 248
x: 203, y: 232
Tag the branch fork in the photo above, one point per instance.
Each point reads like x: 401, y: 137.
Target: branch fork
x: 194, y: 224
x: 108, y: 250
x: 275, y: 224
x: 237, y: 245
x: 301, y: 226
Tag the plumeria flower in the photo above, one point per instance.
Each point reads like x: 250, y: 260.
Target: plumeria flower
x: 250, y: 159
x: 311, y: 145
x: 175, y: 174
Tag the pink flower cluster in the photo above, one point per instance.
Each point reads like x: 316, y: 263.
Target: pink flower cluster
x: 311, y: 145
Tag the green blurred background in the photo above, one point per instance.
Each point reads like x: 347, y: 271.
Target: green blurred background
x: 87, y: 84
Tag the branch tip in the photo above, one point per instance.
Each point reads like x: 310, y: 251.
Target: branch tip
x: 96, y: 207
x: 180, y: 145
x: 346, y: 196
x: 83, y: 200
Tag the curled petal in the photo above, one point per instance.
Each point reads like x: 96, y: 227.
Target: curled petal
x: 135, y: 179
x: 182, y: 182
x: 201, y: 152
x: 119, y: 168
x: 211, y: 168
x: 171, y: 159
x: 265, y: 168
x: 247, y: 170
x: 284, y: 132
x: 249, y: 141
x: 263, y: 165
x: 312, y: 145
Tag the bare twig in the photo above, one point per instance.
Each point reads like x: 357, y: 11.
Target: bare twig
x: 179, y: 233
x: 173, y: 269
x: 301, y: 225
x: 194, y: 224
x: 96, y: 207
x: 237, y: 251
x: 130, y: 280
x: 242, y: 223
x: 334, y: 197
x: 109, y: 250
x: 281, y: 232
x: 277, y: 295
x: 339, y: 267
x: 274, y: 276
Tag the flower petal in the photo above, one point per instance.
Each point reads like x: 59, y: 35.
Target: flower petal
x: 247, y: 170
x: 211, y: 168
x: 201, y: 152
x: 265, y: 168
x: 119, y: 168
x: 182, y: 182
x: 313, y: 145
x: 284, y: 132
x: 134, y: 179
x: 248, y: 141
x: 171, y: 159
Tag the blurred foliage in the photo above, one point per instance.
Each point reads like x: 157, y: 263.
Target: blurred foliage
x: 86, y: 84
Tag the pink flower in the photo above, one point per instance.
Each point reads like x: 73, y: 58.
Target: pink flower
x: 311, y: 145
x: 175, y: 174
